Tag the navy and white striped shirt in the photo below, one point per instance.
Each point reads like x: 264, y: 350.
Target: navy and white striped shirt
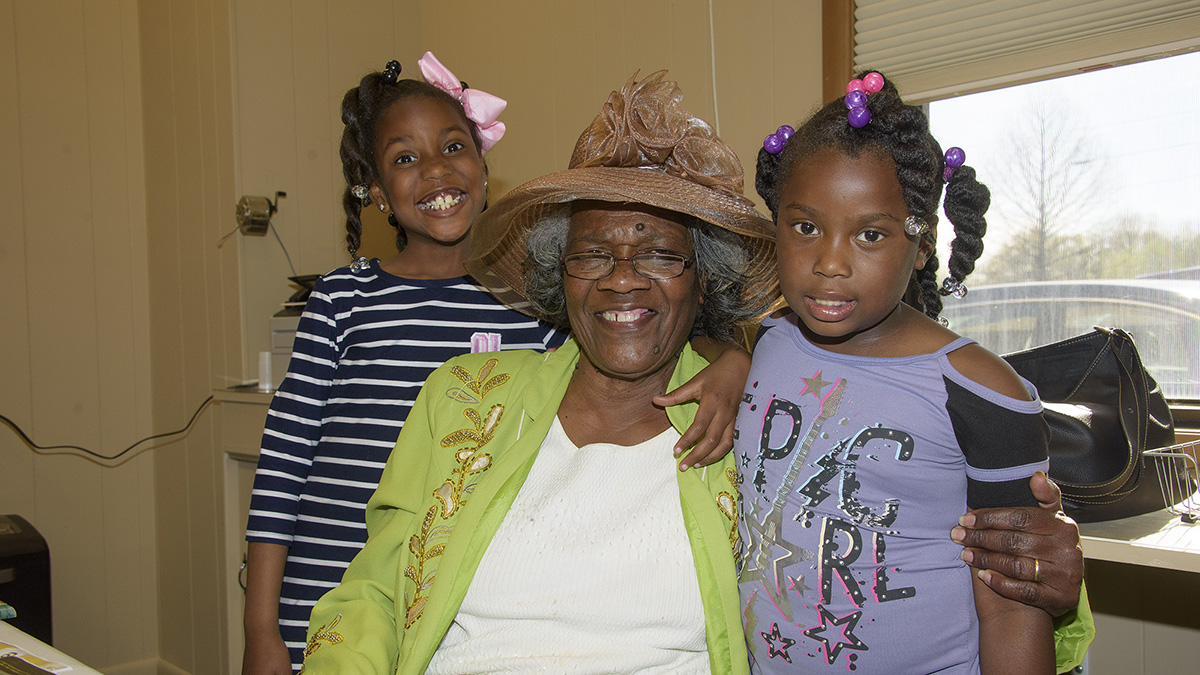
x: 364, y: 347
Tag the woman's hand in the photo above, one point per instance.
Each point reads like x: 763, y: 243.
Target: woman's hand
x: 718, y: 389
x: 1028, y: 554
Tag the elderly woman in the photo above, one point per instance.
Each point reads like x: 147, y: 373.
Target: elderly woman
x: 531, y: 517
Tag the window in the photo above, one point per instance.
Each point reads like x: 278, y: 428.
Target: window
x: 1094, y: 220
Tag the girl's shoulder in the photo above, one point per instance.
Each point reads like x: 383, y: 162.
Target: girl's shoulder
x: 969, y: 359
x: 374, y: 278
x: 982, y: 367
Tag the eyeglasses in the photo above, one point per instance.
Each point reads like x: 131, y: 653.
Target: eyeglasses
x: 593, y: 265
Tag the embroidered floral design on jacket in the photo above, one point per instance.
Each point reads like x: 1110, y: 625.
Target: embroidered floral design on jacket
x: 324, y: 633
x: 727, y: 502
x: 476, y: 388
x: 423, y: 549
x: 451, y: 495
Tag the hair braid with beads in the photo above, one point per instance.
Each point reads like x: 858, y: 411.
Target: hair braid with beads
x: 900, y: 132
x: 362, y: 107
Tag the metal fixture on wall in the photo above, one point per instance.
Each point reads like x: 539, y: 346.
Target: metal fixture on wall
x: 254, y: 213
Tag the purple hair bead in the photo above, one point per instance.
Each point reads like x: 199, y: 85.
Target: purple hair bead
x: 955, y: 157
x: 859, y: 117
x: 856, y: 99
x: 774, y: 143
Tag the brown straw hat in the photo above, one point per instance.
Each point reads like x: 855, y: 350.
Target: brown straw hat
x: 643, y: 148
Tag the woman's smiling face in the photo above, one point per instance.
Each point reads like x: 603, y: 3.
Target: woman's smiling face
x: 844, y: 257
x: 628, y: 326
x: 431, y: 176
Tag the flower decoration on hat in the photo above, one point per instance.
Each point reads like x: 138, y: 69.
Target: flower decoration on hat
x: 856, y: 98
x: 481, y: 108
x: 642, y: 148
x: 955, y: 157
x: 644, y: 126
x: 776, y: 142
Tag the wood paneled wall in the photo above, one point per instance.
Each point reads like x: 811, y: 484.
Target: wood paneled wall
x: 75, y: 333
x: 188, y: 104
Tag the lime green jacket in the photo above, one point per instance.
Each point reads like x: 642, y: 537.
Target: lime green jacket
x: 464, y: 453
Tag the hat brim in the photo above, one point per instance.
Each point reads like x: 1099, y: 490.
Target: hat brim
x: 498, y: 240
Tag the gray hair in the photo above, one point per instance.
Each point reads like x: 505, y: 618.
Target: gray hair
x: 722, y: 260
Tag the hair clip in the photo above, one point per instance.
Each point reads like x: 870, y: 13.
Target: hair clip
x: 856, y: 98
x: 774, y: 143
x: 480, y: 107
x: 391, y: 72
x: 359, y: 264
x: 915, y: 226
x: 361, y: 192
x: 944, y: 322
x: 952, y: 286
x: 954, y: 159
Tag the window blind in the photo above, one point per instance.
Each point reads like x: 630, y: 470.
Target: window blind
x: 941, y: 48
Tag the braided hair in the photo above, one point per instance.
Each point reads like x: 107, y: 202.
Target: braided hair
x: 362, y: 107
x: 901, y: 132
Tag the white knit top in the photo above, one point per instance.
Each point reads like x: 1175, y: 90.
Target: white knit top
x: 590, y: 571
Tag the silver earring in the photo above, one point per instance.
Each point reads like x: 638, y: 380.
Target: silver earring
x: 382, y: 208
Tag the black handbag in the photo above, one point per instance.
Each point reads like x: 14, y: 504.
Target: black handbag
x: 1104, y: 411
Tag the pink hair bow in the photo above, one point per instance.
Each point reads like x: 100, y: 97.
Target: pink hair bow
x: 481, y: 107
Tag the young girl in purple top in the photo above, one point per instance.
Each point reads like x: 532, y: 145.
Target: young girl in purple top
x: 867, y: 427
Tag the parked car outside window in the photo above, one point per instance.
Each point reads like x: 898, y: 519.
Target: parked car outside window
x: 1162, y: 315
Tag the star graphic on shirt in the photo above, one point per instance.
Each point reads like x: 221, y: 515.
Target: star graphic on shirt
x: 762, y: 563
x: 846, y: 639
x: 784, y: 643
x: 813, y: 385
x: 798, y: 585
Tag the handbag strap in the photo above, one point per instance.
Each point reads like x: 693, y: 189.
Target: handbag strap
x: 1133, y: 399
x: 1130, y: 405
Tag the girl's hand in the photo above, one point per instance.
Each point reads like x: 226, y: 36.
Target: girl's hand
x: 718, y: 389
x: 1028, y: 554
x: 266, y: 654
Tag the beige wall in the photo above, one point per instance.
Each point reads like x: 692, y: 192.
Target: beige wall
x: 135, y: 128
x: 75, y: 334
x: 194, y: 304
